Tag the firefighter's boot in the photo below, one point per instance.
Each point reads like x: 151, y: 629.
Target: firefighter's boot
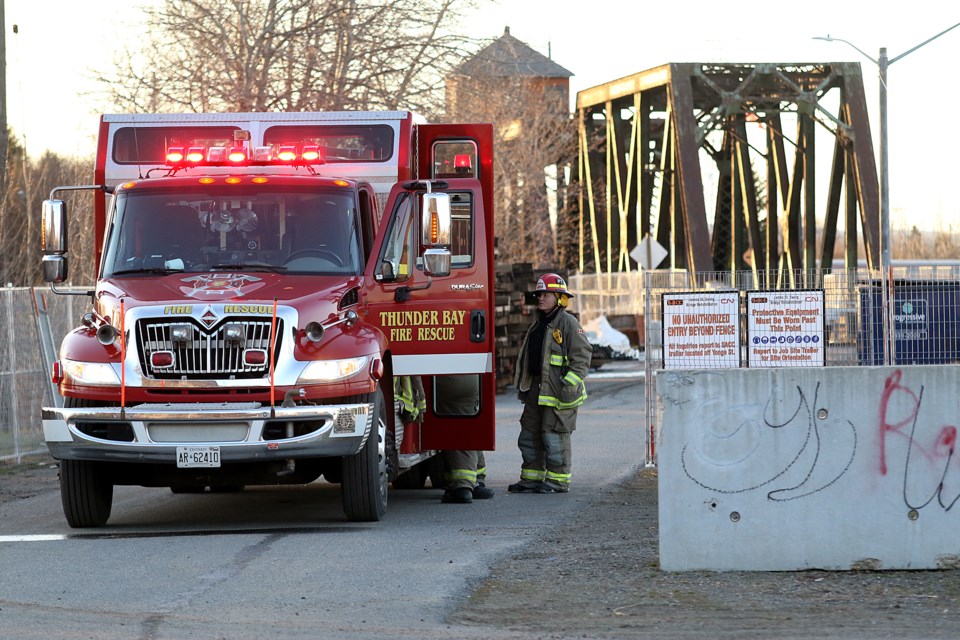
x: 523, y: 487
x: 482, y: 492
x: 463, y: 495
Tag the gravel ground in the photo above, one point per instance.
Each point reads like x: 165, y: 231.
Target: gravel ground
x: 597, y: 576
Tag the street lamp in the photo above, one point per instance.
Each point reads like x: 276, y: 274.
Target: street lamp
x: 882, y: 63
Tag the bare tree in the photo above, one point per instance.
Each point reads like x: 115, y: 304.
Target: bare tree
x: 291, y: 55
x: 534, y: 139
x: 28, y: 184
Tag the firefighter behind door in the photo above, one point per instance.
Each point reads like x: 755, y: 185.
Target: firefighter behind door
x: 550, y: 372
x: 466, y: 471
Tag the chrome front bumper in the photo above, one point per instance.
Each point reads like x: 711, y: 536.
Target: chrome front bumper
x: 237, y: 428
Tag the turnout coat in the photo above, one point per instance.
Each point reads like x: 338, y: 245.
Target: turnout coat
x: 566, y: 360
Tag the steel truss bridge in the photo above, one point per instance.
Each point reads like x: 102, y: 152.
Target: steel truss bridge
x: 642, y: 140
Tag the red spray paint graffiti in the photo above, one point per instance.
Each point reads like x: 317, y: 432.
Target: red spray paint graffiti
x: 900, y: 409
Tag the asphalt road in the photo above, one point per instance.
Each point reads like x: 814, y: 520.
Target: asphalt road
x: 273, y: 562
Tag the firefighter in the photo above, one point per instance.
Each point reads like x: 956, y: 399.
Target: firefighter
x: 550, y: 372
x: 409, y: 393
x: 465, y: 471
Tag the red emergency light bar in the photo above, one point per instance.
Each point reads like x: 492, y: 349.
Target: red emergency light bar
x: 462, y: 161
x: 239, y: 156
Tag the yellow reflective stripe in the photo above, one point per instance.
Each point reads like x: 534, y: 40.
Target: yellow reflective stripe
x: 563, y: 478
x: 462, y: 474
x: 482, y: 471
x: 550, y: 401
x: 557, y: 360
x: 536, y: 475
x: 572, y: 378
x: 547, y: 401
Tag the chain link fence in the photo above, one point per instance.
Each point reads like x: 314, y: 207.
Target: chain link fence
x: 908, y: 316
x: 32, y: 324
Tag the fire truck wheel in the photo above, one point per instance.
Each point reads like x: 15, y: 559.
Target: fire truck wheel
x: 86, y: 493
x: 365, y: 479
x: 86, y: 490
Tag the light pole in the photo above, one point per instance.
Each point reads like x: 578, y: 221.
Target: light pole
x: 883, y: 63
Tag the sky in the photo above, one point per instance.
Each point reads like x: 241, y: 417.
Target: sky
x: 59, y: 45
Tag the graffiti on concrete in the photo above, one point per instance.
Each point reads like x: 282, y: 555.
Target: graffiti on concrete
x: 783, y: 441
x: 928, y: 448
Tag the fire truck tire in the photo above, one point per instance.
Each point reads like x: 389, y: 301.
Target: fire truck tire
x: 365, y: 479
x: 86, y: 493
x: 86, y: 490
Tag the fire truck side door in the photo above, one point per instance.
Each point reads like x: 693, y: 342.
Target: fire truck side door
x: 439, y: 326
x: 460, y: 409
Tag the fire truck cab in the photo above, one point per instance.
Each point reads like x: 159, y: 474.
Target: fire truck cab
x: 265, y: 283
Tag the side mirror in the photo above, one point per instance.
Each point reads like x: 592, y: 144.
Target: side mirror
x: 53, y: 229
x: 435, y: 220
x: 436, y: 262
x: 54, y: 269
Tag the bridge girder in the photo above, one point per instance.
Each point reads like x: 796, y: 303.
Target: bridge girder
x: 642, y: 139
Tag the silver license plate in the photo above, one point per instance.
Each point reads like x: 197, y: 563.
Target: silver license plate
x: 192, y: 457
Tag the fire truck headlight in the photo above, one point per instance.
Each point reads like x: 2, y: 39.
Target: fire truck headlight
x: 92, y: 373
x: 331, y: 370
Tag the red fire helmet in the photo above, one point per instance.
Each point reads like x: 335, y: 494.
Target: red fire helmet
x: 553, y: 283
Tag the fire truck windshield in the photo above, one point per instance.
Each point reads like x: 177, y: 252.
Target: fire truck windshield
x: 253, y: 228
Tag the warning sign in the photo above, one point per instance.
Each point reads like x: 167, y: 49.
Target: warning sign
x: 701, y: 330
x: 785, y: 328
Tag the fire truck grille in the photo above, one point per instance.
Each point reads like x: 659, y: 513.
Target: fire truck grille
x: 182, y: 349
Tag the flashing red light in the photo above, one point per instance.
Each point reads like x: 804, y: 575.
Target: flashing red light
x: 56, y: 375
x: 287, y: 154
x: 462, y: 161
x: 240, y: 155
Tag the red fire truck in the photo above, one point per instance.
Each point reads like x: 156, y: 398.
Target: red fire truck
x: 263, y: 281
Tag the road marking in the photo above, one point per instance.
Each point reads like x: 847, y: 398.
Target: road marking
x: 34, y: 538
x: 113, y: 535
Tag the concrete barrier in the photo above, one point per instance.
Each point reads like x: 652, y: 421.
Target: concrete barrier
x: 809, y: 468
